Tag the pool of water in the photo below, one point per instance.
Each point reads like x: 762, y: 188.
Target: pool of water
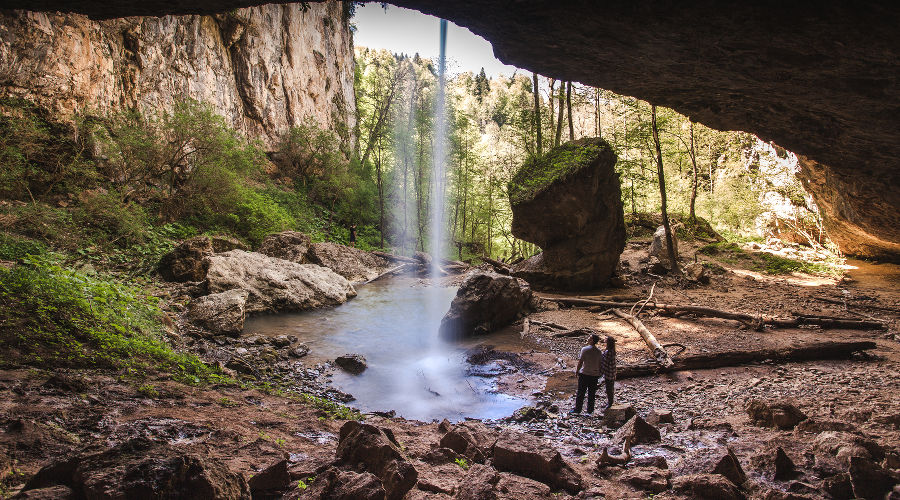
x: 394, y: 323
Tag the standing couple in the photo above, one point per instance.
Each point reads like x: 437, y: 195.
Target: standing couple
x: 593, y: 364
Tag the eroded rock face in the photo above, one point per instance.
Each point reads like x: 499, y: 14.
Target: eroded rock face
x: 276, y: 285
x: 287, y: 245
x: 569, y: 203
x: 263, y: 68
x: 485, y: 302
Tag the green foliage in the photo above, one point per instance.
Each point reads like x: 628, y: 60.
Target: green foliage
x: 774, y: 264
x: 58, y: 317
x: 718, y: 247
x: 331, y: 409
x: 307, y: 151
x: 15, y: 247
x: 558, y: 163
x: 118, y: 222
x: 462, y: 462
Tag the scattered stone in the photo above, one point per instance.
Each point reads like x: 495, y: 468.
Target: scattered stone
x: 528, y: 413
x: 657, y: 417
x: 221, y: 243
x: 637, y: 431
x: 299, y: 350
x: 187, y: 261
x: 844, y: 446
x: 287, y: 245
x: 784, y: 466
x: 657, y: 461
x: 485, y: 302
x: 569, y: 203
x: 783, y: 415
x: 375, y: 450
x: 473, y: 440
x: 437, y: 480
x: 140, y: 468
x: 515, y: 487
x: 276, y: 285
x: 651, y: 480
x: 696, y: 271
x: 340, y: 484
x: 869, y: 480
x: 440, y: 456
x: 66, y: 382
x: 352, y: 363
x: 707, y: 486
x: 730, y: 467
x: 272, y: 482
x: 532, y: 457
x: 616, y: 415
x: 478, y: 483
x: 838, y: 486
x: 892, y: 460
x: 221, y: 313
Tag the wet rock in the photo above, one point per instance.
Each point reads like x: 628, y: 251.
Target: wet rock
x: 616, y: 415
x: 351, y: 263
x: 650, y: 480
x: 140, y: 468
x: 49, y: 493
x: 650, y: 461
x: 843, y: 446
x: 657, y: 417
x: 440, y: 456
x: 485, y: 302
x: 222, y: 313
x: 870, y: 480
x: 478, y: 483
x: 352, y: 363
x: 287, y: 245
x: 637, y: 431
x: 337, y: 484
x: 276, y: 285
x: 299, y: 350
x: 660, y: 249
x: 696, y: 272
x: 730, y: 467
x: 529, y: 413
x: 473, y: 440
x: 783, y: 415
x: 187, y: 261
x: 707, y: 486
x: 272, y: 482
x: 375, y: 450
x: 532, y: 457
x: 569, y: 203
x: 784, y: 466
x: 838, y: 486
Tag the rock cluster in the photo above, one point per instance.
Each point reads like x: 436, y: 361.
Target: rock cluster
x: 485, y: 302
x: 569, y: 203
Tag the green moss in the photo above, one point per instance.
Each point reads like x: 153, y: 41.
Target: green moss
x: 774, y: 264
x: 540, y: 172
x: 720, y: 247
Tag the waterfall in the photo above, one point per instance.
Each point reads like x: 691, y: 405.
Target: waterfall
x: 438, y: 182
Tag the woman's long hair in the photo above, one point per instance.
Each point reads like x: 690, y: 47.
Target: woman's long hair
x: 611, y: 346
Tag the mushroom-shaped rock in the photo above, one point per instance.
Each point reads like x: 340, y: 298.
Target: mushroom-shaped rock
x: 568, y: 202
x: 485, y: 302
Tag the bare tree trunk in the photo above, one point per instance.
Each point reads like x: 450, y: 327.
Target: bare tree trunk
x: 662, y: 190
x: 559, y: 120
x: 693, y: 214
x: 537, y: 115
x: 597, y: 112
x: 380, y: 180
x: 569, y: 107
x: 552, y: 109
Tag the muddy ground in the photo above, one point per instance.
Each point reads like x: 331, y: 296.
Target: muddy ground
x: 853, y: 405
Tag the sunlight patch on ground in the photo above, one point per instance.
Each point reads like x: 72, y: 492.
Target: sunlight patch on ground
x: 795, y: 278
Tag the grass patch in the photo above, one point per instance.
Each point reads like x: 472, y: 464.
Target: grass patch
x: 538, y: 173
x: 333, y: 410
x: 56, y: 317
x: 774, y: 264
x: 720, y: 247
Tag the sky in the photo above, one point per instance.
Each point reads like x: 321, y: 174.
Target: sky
x: 409, y: 31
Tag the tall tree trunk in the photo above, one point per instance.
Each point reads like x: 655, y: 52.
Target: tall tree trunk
x: 693, y: 214
x: 662, y: 190
x: 380, y: 185
x: 597, y: 112
x: 569, y: 107
x: 537, y: 115
x: 552, y: 109
x: 559, y: 120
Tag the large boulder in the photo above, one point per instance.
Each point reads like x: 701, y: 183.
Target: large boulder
x: 187, y: 261
x: 367, y: 448
x: 337, y: 484
x: 140, y: 468
x: 532, y: 457
x: 659, y: 247
x: 484, y: 302
x: 351, y: 263
x: 287, y: 245
x: 569, y: 203
x: 276, y: 285
x: 222, y: 313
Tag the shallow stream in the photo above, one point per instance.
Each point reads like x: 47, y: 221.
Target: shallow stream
x: 394, y: 323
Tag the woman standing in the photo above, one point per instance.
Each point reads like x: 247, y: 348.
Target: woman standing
x: 608, y: 369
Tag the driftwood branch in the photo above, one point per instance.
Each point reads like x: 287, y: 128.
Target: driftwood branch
x: 662, y: 357
x: 747, y: 319
x: 395, y: 258
x: 809, y: 352
x: 386, y: 273
x: 501, y: 267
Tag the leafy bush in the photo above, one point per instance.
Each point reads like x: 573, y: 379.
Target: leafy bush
x: 307, y: 151
x: 54, y: 226
x: 774, y: 264
x: 116, y: 221
x: 15, y: 247
x: 58, y: 317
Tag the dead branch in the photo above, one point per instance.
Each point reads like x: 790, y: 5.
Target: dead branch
x: 386, y: 273
x: 500, y: 267
x: 662, y: 357
x: 607, y: 459
x: 809, y: 352
x: 395, y: 258
x: 747, y: 319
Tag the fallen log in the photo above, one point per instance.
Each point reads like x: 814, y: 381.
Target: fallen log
x: 501, y: 267
x: 382, y: 275
x: 580, y: 332
x: 395, y: 258
x: 662, y: 357
x: 747, y: 319
x: 810, y: 352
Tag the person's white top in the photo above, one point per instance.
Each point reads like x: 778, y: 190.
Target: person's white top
x: 590, y: 358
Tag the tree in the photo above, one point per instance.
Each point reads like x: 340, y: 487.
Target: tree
x: 662, y: 190
x: 569, y: 106
x: 537, y: 114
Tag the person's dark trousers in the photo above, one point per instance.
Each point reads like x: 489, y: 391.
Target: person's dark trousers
x: 610, y: 391
x: 586, y: 383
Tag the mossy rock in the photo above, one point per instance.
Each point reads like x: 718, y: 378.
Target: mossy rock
x: 539, y: 173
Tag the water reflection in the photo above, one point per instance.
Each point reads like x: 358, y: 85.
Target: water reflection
x: 394, y: 323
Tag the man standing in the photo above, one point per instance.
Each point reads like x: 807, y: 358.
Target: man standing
x: 588, y: 371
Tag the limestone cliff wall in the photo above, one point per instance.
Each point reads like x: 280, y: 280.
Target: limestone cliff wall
x: 264, y: 68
